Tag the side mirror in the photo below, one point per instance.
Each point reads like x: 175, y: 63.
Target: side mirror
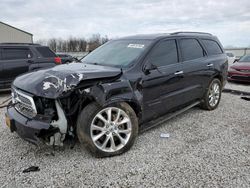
x: 149, y: 67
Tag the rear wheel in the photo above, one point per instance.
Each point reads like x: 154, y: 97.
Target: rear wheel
x: 107, y: 131
x: 212, y: 96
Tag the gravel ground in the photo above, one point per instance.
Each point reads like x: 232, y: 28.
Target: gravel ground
x: 205, y: 149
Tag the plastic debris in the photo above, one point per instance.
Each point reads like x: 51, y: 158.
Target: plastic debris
x: 165, y: 135
x: 31, y: 169
x: 246, y: 98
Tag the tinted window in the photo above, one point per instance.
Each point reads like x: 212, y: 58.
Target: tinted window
x: 16, y: 53
x: 164, y: 54
x: 45, y: 52
x: 212, y: 47
x: 191, y: 49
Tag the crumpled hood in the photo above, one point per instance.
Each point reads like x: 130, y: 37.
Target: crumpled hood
x: 53, y: 82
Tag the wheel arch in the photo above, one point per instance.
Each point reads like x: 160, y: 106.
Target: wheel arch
x: 218, y: 76
x: 118, y: 92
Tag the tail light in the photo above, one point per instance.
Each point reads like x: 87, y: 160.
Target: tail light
x: 58, y: 60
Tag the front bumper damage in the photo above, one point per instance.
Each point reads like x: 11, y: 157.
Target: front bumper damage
x: 38, y: 129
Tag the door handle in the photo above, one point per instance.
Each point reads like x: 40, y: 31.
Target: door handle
x: 210, y: 65
x: 178, y: 72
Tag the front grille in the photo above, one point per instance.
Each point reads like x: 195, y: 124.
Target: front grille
x: 24, y: 103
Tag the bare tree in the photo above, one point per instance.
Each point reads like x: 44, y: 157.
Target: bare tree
x: 73, y: 44
x: 52, y: 43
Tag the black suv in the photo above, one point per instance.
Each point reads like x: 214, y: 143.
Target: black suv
x: 124, y: 86
x: 16, y: 59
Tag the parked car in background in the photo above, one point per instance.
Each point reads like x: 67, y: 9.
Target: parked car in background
x: 231, y: 58
x: 16, y: 59
x: 240, y: 70
x: 125, y: 85
x: 66, y: 58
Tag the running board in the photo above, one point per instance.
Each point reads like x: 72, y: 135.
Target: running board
x: 146, y: 126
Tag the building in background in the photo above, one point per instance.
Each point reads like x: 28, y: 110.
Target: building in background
x: 10, y: 34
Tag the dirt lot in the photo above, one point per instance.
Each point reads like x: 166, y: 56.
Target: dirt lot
x: 207, y: 149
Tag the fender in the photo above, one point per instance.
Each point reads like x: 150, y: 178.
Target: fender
x: 120, y: 91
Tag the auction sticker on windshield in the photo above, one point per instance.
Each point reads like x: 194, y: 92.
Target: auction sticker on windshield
x: 136, y: 46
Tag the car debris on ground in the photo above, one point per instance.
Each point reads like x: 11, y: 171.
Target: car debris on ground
x: 246, y: 98
x: 32, y: 169
x: 165, y: 135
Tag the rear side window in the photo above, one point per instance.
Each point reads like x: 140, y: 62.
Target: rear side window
x: 191, y: 49
x: 212, y: 47
x: 45, y: 52
x: 16, y: 53
x: 164, y: 54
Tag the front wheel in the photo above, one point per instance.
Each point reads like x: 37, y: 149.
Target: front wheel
x: 107, y: 131
x: 212, y: 96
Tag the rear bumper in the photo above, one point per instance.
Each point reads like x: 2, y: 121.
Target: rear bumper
x: 28, y: 129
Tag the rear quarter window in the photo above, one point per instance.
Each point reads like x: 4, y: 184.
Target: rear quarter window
x: 212, y: 47
x: 45, y: 52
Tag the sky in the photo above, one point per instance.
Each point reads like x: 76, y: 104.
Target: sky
x: 229, y: 20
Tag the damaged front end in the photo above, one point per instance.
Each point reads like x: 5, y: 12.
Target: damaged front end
x: 35, y: 118
x: 46, y: 104
x: 41, y: 119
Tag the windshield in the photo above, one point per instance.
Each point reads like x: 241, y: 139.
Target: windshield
x: 117, y: 53
x: 245, y: 59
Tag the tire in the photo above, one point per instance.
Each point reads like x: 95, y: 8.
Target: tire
x: 115, y: 139
x: 207, y: 103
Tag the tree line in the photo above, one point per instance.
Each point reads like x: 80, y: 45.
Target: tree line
x: 74, y: 44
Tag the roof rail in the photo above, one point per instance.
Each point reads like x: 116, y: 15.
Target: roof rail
x: 190, y: 32
x: 16, y: 43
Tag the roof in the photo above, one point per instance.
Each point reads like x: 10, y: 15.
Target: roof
x: 147, y: 36
x: 162, y: 35
x: 16, y: 28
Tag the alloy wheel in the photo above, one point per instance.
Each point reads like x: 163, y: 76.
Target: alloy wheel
x: 111, y: 129
x: 214, y: 94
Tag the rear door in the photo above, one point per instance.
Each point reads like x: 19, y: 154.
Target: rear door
x: 195, y: 67
x: 16, y: 62
x: 162, y: 86
x: 216, y: 60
